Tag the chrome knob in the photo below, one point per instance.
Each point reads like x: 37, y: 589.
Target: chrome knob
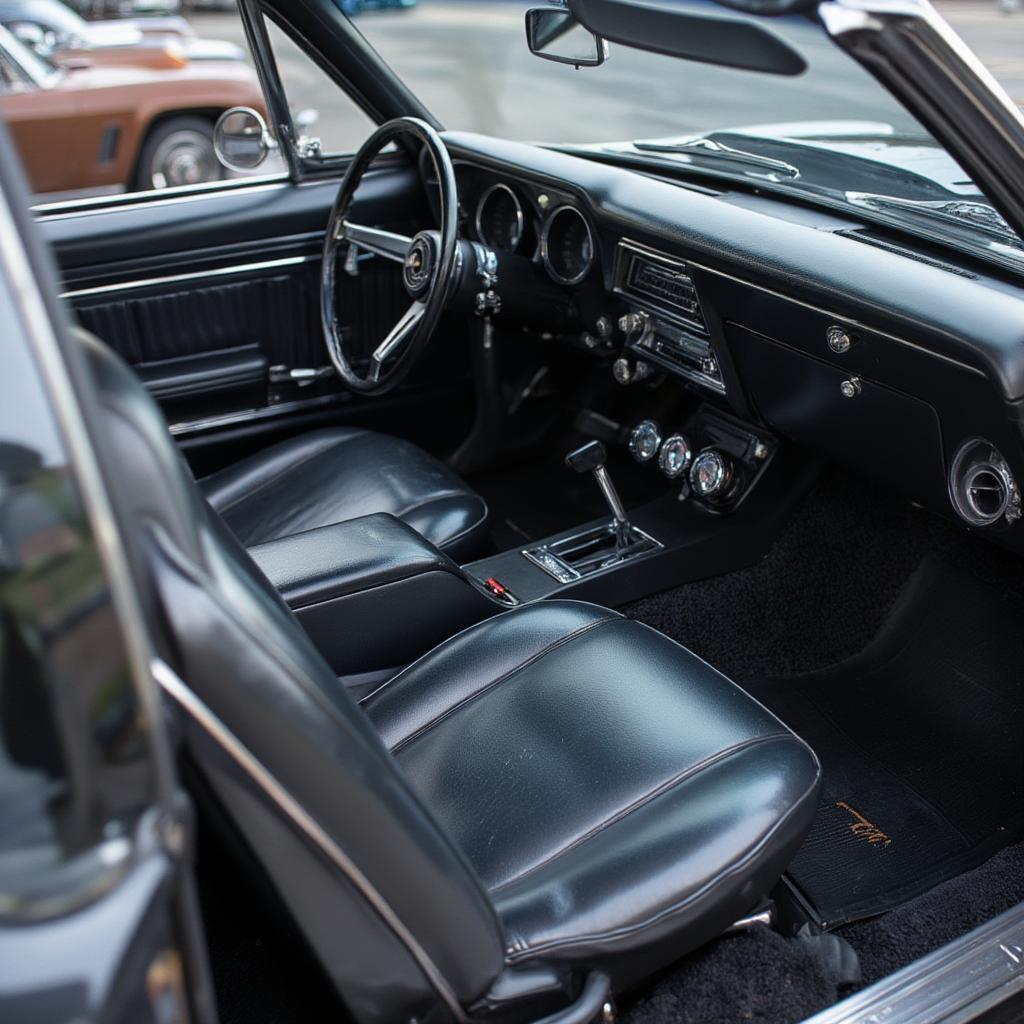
x: 711, y: 475
x: 603, y: 328
x: 838, y: 339
x: 625, y: 371
x: 675, y: 456
x: 851, y: 388
x: 644, y: 441
x: 633, y: 323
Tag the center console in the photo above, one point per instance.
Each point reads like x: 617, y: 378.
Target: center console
x: 373, y: 594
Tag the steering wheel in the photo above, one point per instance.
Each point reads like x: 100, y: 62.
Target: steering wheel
x: 429, y: 263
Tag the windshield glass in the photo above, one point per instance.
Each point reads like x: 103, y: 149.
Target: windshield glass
x: 831, y: 133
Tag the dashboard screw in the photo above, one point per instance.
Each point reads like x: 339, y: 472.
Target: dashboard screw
x: 851, y: 388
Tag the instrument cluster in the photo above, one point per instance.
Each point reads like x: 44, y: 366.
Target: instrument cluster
x: 533, y: 222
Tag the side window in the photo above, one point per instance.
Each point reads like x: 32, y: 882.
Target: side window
x: 122, y: 103
x: 327, y: 122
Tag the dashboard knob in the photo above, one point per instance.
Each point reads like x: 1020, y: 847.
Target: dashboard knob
x: 625, y: 371
x: 675, y: 456
x: 711, y: 475
x: 644, y: 441
x: 603, y: 328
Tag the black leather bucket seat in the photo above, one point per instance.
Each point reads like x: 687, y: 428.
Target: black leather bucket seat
x: 339, y: 473
x: 553, y: 798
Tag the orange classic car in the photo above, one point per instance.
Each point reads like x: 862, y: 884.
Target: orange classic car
x: 94, y: 127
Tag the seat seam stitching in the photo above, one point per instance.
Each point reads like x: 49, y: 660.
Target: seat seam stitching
x: 514, y: 955
x: 660, y: 790
x: 533, y: 659
x: 336, y: 442
x: 397, y: 677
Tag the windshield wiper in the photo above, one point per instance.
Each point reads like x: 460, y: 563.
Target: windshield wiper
x: 707, y: 147
x: 967, y: 213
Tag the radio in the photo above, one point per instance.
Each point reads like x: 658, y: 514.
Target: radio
x: 666, y: 323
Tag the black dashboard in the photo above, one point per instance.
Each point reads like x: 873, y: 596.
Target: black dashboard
x: 904, y: 365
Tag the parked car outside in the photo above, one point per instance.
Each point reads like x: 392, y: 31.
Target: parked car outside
x: 109, y: 127
x: 52, y: 29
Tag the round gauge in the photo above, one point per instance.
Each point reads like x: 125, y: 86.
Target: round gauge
x: 676, y: 454
x: 499, y: 218
x: 644, y: 441
x: 711, y: 475
x: 567, y: 246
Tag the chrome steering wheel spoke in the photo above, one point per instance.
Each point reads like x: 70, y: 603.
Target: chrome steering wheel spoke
x: 388, y: 244
x: 397, y: 337
x: 428, y: 264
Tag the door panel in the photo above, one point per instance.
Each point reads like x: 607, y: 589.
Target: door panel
x: 214, y: 300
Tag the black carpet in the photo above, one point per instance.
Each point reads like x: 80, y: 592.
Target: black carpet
x: 825, y: 587
x: 919, y: 737
x: 754, y: 976
x: 762, y: 977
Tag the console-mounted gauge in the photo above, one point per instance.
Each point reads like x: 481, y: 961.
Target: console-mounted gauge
x: 711, y: 475
x: 499, y: 218
x: 675, y: 456
x: 644, y: 441
x: 567, y: 246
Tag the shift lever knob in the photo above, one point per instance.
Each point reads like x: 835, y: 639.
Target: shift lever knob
x: 587, y: 458
x: 591, y: 459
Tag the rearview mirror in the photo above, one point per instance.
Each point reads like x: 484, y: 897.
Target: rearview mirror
x: 241, y: 139
x: 554, y: 34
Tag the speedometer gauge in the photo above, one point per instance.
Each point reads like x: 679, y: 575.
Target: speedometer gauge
x: 567, y: 246
x: 499, y: 218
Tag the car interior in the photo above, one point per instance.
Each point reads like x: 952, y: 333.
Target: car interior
x: 580, y: 591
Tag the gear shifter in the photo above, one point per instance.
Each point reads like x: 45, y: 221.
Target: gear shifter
x: 591, y: 458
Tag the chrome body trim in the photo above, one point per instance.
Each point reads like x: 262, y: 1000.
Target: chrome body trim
x: 169, y: 681
x: 956, y: 983
x: 89, y: 205
x: 520, y: 218
x: 192, y: 275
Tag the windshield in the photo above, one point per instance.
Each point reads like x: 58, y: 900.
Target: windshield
x: 832, y: 133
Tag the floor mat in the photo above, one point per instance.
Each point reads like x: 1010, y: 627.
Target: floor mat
x: 920, y: 739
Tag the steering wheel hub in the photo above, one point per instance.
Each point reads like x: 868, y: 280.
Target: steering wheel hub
x: 420, y: 261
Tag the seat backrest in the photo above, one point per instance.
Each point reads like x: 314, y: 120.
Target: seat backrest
x: 391, y: 907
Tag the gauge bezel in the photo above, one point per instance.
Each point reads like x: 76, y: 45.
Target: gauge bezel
x: 653, y: 427
x: 669, y: 441
x: 520, y: 216
x: 546, y: 256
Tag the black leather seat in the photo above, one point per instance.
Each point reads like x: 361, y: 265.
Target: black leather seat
x: 553, y: 796
x: 340, y: 473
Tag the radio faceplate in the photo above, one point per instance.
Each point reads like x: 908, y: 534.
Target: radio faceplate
x: 660, y: 286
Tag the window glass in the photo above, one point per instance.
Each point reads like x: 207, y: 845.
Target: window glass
x: 75, y: 769
x: 325, y: 118
x: 102, y: 100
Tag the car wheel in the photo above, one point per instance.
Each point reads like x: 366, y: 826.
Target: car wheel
x: 177, y: 152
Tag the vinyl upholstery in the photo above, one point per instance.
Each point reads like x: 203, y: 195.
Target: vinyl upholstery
x: 553, y: 790
x: 626, y: 797
x: 340, y: 473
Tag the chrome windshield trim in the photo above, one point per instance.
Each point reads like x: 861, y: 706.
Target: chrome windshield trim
x: 169, y: 681
x: 192, y: 275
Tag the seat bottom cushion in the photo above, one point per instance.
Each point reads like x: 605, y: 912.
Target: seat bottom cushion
x: 621, y: 800
x: 339, y: 473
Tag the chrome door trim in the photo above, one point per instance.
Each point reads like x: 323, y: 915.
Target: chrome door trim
x: 192, y: 275
x: 169, y: 681
x: 955, y: 983
x: 184, y: 428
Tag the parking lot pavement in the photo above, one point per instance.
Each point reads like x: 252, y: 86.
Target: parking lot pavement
x: 467, y: 60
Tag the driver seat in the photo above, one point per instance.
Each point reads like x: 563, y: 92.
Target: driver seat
x: 328, y: 476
